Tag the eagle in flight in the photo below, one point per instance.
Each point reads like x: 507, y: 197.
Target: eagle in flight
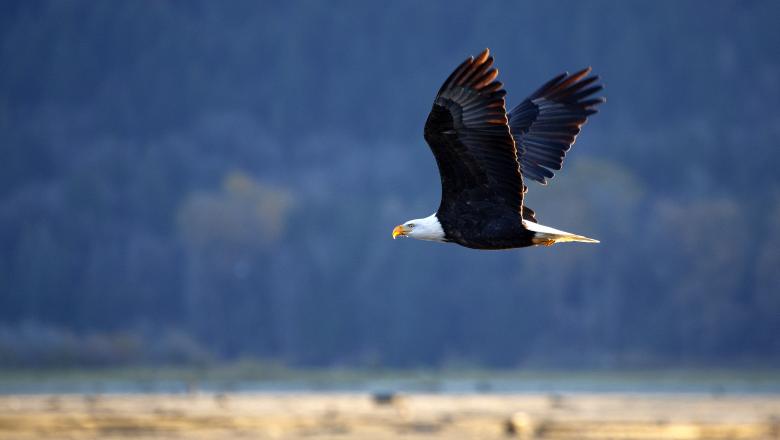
x: 483, y: 152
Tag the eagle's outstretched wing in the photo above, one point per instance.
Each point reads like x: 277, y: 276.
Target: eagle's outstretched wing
x: 469, y: 135
x: 546, y: 124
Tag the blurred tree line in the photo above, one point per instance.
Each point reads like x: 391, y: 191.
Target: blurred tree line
x: 196, y: 181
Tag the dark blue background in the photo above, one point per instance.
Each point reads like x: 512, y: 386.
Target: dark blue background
x: 197, y: 181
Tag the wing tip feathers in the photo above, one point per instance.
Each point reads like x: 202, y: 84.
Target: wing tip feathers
x: 483, y: 56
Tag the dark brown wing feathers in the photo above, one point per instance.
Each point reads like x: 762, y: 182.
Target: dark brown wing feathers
x: 469, y: 135
x: 546, y: 124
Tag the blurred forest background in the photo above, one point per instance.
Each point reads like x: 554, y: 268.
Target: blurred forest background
x: 190, y: 182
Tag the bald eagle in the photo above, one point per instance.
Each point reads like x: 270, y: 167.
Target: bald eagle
x: 483, y: 152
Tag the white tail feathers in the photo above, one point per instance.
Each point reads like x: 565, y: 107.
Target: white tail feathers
x: 546, y: 235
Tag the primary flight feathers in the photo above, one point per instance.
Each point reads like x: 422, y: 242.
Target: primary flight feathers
x: 482, y: 154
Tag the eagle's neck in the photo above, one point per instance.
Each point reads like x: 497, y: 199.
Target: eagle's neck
x: 429, y: 228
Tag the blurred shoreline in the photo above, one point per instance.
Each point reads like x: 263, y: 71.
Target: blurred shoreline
x: 352, y: 416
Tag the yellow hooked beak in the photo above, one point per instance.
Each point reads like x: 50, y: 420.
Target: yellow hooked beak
x: 399, y: 230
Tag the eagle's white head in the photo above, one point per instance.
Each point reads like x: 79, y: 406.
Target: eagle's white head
x: 427, y: 228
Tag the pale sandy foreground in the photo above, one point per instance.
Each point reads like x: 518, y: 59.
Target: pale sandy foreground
x: 357, y: 416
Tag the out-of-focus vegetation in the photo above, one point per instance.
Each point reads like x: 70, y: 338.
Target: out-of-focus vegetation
x: 184, y: 182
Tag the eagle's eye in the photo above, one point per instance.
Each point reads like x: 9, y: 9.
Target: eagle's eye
x: 410, y: 226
